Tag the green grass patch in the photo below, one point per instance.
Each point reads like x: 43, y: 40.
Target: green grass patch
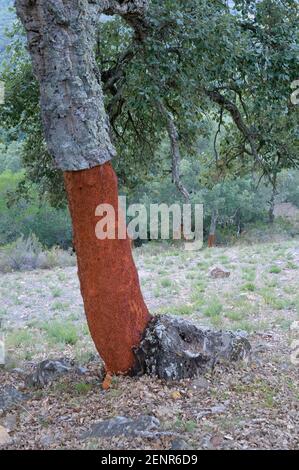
x: 62, y: 332
x: 213, y: 309
x: 275, y: 270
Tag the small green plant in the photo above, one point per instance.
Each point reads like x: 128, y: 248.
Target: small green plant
x: 213, y: 309
x: 56, y: 292
x: 275, y: 270
x: 82, y: 388
x: 166, y: 282
x: 19, y: 338
x: 249, y: 286
x: 60, y: 306
x: 183, y: 310
x: 234, y: 316
x: 62, y: 332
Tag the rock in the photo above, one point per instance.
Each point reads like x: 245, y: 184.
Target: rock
x: 47, y: 440
x: 200, y: 384
x: 10, y: 397
x: 122, y: 426
x: 4, y: 436
x: 179, y: 444
x: 18, y: 371
x: 212, y: 442
x: 218, y: 409
x: 175, y: 349
x: 10, y: 422
x: 218, y: 272
x: 47, y: 371
x: 81, y: 370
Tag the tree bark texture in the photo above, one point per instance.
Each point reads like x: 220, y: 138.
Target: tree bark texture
x: 61, y: 39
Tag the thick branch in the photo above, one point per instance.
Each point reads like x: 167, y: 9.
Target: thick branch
x: 230, y: 107
x: 175, y: 149
x: 133, y: 11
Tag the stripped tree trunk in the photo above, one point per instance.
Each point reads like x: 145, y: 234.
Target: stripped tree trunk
x: 61, y: 39
x: 116, y: 313
x: 213, y: 225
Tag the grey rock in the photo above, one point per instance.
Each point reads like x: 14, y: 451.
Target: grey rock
x: 175, y: 349
x: 18, y: 371
x: 179, y: 444
x: 218, y: 409
x: 47, y: 371
x: 218, y: 272
x: 47, y: 440
x: 10, y: 422
x: 81, y: 370
x: 200, y: 384
x: 123, y: 426
x: 10, y: 397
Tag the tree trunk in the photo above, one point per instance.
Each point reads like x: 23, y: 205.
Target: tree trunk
x: 61, y: 39
x: 212, y: 233
x: 272, y: 204
x: 115, y: 310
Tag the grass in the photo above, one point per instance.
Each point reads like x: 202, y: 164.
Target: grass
x: 18, y: 338
x: 249, y: 286
x: 62, y: 332
x: 183, y: 310
x: 234, y: 316
x: 60, y: 306
x: 275, y: 270
x: 213, y: 309
x: 166, y: 282
x: 83, y: 388
x: 56, y: 292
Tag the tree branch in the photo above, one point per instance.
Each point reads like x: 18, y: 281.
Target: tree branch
x: 175, y: 149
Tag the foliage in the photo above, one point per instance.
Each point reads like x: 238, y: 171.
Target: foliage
x: 244, y: 86
x: 30, y: 214
x: 26, y: 254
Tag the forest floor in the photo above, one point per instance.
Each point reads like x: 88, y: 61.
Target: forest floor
x: 252, y: 405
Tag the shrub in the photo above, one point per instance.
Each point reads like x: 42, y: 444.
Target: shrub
x: 57, y: 258
x: 26, y: 254
x: 21, y: 255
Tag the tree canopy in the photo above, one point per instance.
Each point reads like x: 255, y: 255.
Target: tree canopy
x: 167, y: 75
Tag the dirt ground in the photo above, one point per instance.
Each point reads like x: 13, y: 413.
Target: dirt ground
x: 250, y: 405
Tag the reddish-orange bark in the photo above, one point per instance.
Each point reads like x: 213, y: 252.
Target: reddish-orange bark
x: 116, y: 313
x: 211, y: 241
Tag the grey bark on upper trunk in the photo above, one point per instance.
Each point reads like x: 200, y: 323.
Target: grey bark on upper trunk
x: 61, y: 38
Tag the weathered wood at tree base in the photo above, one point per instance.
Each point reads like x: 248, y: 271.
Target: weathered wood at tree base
x: 174, y: 349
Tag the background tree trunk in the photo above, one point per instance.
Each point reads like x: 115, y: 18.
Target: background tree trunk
x: 213, y: 225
